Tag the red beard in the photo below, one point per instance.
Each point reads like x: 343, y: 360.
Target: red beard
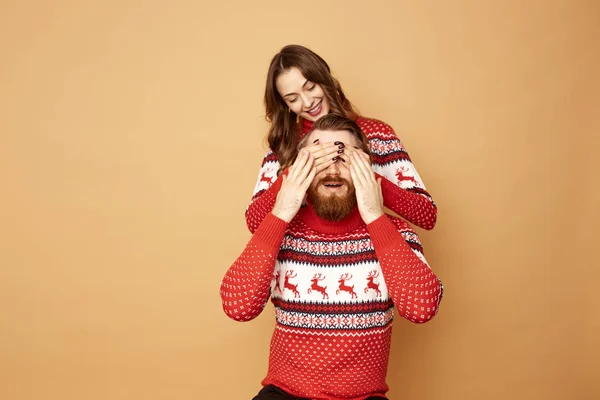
x: 332, y: 207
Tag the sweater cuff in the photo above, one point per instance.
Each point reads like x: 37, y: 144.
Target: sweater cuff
x: 271, y: 231
x: 383, y: 233
x: 276, y: 186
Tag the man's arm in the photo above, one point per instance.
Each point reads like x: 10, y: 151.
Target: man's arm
x: 413, y: 286
x: 245, y: 288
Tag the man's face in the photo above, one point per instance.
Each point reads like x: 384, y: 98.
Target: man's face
x: 331, y: 192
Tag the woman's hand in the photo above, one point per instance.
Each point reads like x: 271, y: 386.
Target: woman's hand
x: 368, y: 188
x: 325, y: 154
x: 346, y: 157
x: 294, y: 186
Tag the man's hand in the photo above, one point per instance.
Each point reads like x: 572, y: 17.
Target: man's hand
x: 368, y: 189
x: 294, y: 186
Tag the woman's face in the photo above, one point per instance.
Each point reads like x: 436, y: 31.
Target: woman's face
x: 302, y: 96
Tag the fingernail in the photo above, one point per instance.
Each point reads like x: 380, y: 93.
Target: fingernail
x: 355, y: 147
x: 342, y: 159
x: 334, y: 158
x: 316, y: 141
x: 341, y: 146
x: 338, y: 143
x: 340, y: 151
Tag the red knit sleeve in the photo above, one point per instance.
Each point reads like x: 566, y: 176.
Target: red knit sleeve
x: 403, y: 189
x: 262, y: 204
x: 414, y: 205
x: 246, y: 287
x: 415, y: 289
x: 265, y: 192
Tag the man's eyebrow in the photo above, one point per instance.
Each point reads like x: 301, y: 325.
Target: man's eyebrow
x: 289, y: 94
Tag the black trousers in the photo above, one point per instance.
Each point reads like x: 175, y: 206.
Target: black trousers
x: 274, y: 393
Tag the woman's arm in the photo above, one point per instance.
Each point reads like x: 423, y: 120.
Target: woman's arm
x: 268, y: 183
x: 403, y: 190
x: 265, y: 192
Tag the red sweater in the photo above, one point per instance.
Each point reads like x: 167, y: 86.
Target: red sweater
x: 403, y: 190
x: 334, y: 286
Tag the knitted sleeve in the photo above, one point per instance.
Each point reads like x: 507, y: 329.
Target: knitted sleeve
x: 402, y: 187
x: 265, y: 192
x: 246, y: 286
x: 415, y: 289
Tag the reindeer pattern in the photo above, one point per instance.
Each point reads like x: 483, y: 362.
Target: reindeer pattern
x: 300, y: 283
x: 403, y: 174
x: 267, y: 176
x: 264, y: 176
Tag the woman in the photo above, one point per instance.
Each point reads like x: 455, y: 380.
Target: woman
x: 300, y: 89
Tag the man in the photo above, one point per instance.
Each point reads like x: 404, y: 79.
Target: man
x: 334, y: 271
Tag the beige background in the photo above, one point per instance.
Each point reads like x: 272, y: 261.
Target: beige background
x: 131, y: 136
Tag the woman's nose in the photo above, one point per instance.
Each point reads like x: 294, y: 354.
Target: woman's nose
x: 307, y: 101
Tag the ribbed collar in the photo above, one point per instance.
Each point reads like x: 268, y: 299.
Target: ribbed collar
x: 305, y: 126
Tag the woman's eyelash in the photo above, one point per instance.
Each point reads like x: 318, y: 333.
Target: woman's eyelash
x: 314, y: 85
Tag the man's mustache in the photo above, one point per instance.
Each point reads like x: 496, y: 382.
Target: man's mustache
x: 333, y: 179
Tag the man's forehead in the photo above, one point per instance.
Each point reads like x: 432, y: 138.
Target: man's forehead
x: 333, y: 136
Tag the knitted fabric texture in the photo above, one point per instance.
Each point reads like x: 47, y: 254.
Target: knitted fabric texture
x: 333, y: 286
x: 402, y: 187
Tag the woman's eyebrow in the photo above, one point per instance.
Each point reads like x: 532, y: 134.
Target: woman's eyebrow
x: 289, y: 94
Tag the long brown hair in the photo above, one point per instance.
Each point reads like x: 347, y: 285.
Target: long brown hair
x: 284, y: 131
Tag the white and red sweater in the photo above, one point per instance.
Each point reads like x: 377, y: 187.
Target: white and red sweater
x: 334, y: 286
x: 403, y: 190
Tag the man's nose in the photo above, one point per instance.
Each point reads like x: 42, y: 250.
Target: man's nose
x: 334, y: 169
